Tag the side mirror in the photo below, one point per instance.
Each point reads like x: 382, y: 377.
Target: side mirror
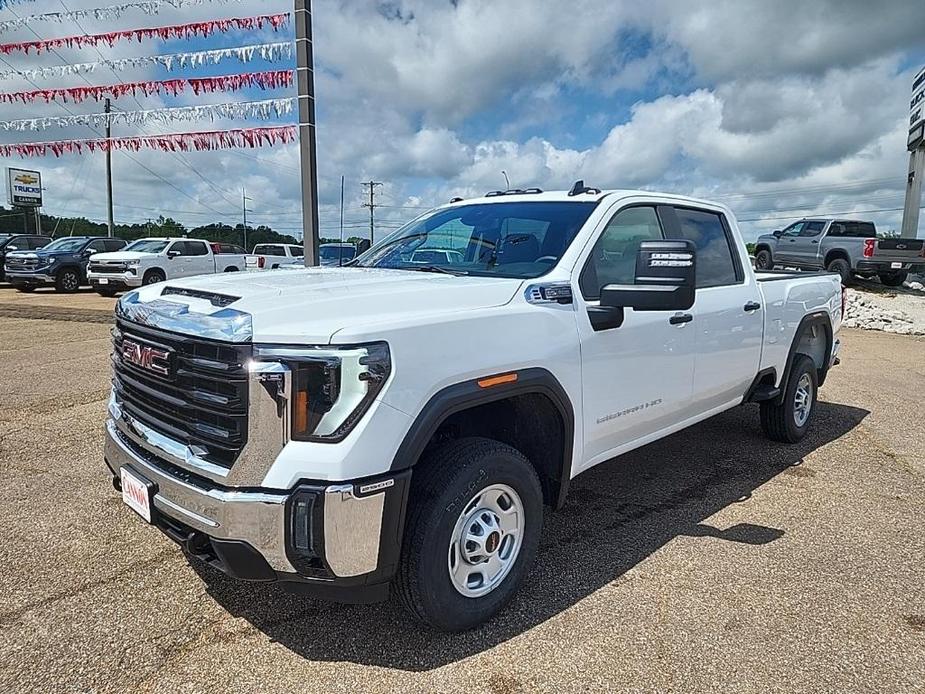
x: 90, y: 251
x: 776, y: 233
x: 665, y: 280
x: 173, y: 254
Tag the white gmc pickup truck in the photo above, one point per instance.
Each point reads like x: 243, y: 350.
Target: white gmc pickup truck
x: 149, y: 261
x: 397, y: 423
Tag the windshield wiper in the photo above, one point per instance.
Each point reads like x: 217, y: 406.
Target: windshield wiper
x: 434, y: 268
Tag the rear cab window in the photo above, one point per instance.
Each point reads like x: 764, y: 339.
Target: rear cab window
x: 269, y: 249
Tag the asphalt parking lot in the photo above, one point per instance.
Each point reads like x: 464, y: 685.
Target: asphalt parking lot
x: 710, y: 561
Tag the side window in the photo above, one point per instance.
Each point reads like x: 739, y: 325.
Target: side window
x: 837, y: 229
x: 98, y: 246
x: 793, y: 230
x: 114, y: 245
x: 178, y: 247
x: 613, y: 259
x: 37, y: 242
x: 812, y: 229
x: 716, y: 265
x: 196, y: 248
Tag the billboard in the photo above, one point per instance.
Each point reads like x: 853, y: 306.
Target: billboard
x: 917, y: 111
x: 24, y: 188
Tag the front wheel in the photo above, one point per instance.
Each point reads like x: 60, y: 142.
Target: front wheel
x: 764, y: 260
x: 153, y: 277
x: 67, y: 281
x: 473, y: 529
x: 788, y: 421
x: 25, y: 288
x: 893, y: 279
x: 108, y: 293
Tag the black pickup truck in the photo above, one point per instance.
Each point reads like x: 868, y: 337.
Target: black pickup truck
x: 62, y: 263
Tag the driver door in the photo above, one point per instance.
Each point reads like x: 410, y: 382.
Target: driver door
x: 787, y: 243
x: 636, y: 378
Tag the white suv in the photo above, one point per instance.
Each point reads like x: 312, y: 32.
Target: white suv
x: 399, y: 423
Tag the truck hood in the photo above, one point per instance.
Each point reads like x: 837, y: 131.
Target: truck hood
x: 309, y: 306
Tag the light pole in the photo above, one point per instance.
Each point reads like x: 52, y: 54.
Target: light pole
x: 244, y: 200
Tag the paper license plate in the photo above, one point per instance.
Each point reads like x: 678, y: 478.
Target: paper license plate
x: 136, y: 493
x: 896, y: 266
x: 103, y: 281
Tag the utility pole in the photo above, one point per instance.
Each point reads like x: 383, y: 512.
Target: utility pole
x: 108, y: 109
x: 244, y: 200
x: 372, y: 206
x: 305, y: 78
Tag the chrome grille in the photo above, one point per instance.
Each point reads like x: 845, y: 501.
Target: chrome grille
x: 22, y: 263
x: 203, y: 400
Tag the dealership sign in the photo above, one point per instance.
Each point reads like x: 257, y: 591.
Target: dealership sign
x: 24, y: 188
x: 917, y: 111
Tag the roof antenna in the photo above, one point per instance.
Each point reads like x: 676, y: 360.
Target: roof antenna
x: 580, y: 188
x: 506, y: 179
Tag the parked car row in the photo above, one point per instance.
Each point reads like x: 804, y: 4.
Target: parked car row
x: 110, y: 265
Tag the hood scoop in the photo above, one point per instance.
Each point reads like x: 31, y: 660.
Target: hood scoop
x: 220, y: 300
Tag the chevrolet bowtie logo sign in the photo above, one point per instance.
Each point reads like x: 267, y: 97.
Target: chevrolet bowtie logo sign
x: 146, y: 357
x: 26, y: 179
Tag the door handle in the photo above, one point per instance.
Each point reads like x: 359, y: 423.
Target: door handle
x: 752, y: 306
x: 814, y: 242
x: 680, y: 318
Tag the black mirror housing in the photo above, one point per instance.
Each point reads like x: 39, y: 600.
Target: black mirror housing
x: 776, y: 233
x: 666, y: 279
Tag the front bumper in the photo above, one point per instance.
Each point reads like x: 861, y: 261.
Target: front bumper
x: 125, y: 280
x: 355, y: 527
x: 29, y: 279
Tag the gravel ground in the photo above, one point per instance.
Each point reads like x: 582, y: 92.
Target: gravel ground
x: 710, y: 561
x: 900, y: 310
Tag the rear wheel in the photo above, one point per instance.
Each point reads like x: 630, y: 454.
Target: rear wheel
x: 473, y: 530
x: 842, y: 268
x: 67, y: 280
x: 893, y: 279
x: 764, y: 260
x: 789, y: 420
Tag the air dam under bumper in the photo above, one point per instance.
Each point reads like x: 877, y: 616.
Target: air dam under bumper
x: 339, y: 541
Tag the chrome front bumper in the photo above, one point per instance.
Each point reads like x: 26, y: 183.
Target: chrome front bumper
x: 29, y: 276
x: 357, y: 521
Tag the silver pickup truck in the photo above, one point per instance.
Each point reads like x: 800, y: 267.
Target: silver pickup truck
x: 847, y: 247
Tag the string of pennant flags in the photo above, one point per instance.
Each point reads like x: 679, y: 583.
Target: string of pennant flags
x: 149, y: 7
x: 268, y: 52
x: 164, y: 33
x: 273, y: 79
x: 174, y: 142
x: 265, y: 109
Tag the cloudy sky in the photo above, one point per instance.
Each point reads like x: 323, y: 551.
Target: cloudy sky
x: 780, y: 109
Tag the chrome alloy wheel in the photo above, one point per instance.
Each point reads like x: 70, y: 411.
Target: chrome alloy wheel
x: 70, y: 282
x: 486, y: 540
x: 803, y: 400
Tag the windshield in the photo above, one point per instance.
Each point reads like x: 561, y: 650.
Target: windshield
x: 502, y: 239
x: 147, y: 246
x: 4, y: 238
x: 336, y: 252
x: 66, y: 244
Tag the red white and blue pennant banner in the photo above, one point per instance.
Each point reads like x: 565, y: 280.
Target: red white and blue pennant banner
x: 176, y: 142
x: 175, y: 31
x: 259, y: 110
x: 269, y: 52
x: 150, y: 7
x: 272, y: 79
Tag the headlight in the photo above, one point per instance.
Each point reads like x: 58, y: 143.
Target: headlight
x: 51, y: 261
x: 132, y: 263
x: 332, y: 387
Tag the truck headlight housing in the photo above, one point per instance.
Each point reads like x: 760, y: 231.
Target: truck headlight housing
x: 332, y: 387
x: 132, y: 263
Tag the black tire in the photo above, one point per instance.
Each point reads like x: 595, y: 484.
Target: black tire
x: 153, y: 277
x: 893, y: 279
x: 442, y: 486
x: 764, y: 260
x: 25, y: 288
x: 108, y: 293
x: 780, y: 421
x: 67, y: 280
x: 842, y: 267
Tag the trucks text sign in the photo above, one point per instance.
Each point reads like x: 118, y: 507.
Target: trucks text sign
x: 24, y: 188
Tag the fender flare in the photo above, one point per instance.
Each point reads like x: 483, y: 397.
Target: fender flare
x: 822, y: 319
x: 468, y: 394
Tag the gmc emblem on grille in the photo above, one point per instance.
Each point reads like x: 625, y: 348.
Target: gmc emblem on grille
x: 146, y: 357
